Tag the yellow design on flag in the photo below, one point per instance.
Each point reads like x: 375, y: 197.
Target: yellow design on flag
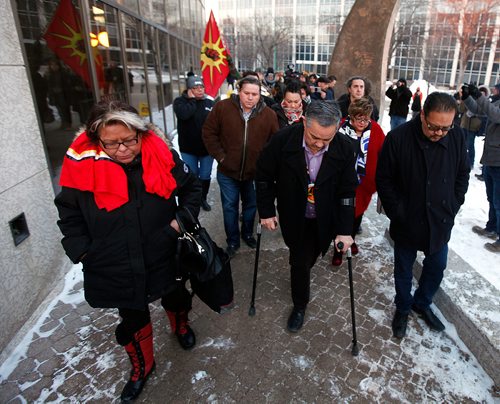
x: 214, y: 55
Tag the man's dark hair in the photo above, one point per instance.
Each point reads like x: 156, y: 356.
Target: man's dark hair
x: 332, y: 77
x: 249, y: 79
x: 368, y: 83
x: 349, y: 81
x: 323, y: 79
x: 250, y: 73
x: 439, y: 102
x: 325, y: 113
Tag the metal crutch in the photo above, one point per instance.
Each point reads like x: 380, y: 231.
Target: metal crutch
x: 355, y: 350
x: 251, y: 311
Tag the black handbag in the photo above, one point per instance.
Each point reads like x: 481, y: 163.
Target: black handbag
x: 206, y: 265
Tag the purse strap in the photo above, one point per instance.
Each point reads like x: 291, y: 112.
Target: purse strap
x: 182, y: 228
x: 190, y: 217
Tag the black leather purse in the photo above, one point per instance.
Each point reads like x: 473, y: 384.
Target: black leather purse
x: 204, y: 263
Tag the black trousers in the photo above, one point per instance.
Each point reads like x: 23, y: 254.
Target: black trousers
x: 356, y: 225
x: 302, y: 259
x: 133, y: 319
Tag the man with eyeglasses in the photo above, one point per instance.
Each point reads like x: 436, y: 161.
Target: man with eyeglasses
x: 422, y: 177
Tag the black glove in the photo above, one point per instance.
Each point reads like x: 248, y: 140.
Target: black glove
x: 474, y: 91
x: 465, y: 92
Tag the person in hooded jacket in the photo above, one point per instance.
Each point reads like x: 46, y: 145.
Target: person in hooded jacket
x: 191, y: 109
x: 117, y: 207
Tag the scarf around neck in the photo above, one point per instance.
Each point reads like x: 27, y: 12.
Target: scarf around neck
x: 364, y: 140
x: 292, y: 114
x: 87, y: 167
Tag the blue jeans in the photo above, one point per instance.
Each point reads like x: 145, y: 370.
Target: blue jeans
x: 397, y: 120
x: 470, y: 139
x: 230, y: 191
x: 432, y: 274
x: 492, y: 181
x: 200, y: 166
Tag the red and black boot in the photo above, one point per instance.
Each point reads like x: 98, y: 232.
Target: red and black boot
x: 140, y: 352
x: 180, y: 327
x: 337, y: 258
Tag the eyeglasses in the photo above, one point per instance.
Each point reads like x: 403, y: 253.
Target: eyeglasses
x: 435, y: 128
x: 116, y: 145
x: 360, y: 120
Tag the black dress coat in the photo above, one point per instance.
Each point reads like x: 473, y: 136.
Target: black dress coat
x: 129, y: 259
x: 282, y: 176
x: 422, y: 185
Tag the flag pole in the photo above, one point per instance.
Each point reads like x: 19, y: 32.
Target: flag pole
x: 85, y: 17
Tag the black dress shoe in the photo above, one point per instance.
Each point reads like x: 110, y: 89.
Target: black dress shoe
x: 399, y: 324
x: 231, y: 250
x: 250, y: 241
x: 205, y: 206
x: 186, y: 338
x: 295, y: 320
x: 430, y: 318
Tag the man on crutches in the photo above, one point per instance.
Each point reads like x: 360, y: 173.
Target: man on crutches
x: 309, y: 171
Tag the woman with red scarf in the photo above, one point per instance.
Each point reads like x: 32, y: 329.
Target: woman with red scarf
x: 292, y: 108
x: 367, y: 138
x: 117, y: 206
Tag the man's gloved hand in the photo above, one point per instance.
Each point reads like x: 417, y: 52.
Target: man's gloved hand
x: 465, y: 92
x: 474, y: 91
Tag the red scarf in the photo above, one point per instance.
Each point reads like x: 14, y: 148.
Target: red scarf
x: 87, y: 167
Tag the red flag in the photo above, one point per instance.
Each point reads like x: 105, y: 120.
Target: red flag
x: 64, y: 37
x: 214, y: 63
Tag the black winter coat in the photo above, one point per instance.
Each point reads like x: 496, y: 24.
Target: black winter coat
x: 191, y: 114
x: 129, y: 259
x: 422, y: 185
x: 282, y: 176
x: 400, y: 99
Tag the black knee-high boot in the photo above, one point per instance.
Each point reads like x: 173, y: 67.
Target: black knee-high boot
x: 205, y: 186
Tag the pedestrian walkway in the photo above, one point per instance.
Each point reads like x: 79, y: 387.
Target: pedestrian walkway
x: 71, y: 354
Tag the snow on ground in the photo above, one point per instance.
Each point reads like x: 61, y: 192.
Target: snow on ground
x: 68, y: 296
x: 446, y: 355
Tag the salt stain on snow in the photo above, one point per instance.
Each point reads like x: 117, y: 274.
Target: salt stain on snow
x: 106, y: 361
x: 201, y: 374
x: 219, y: 343
x: 301, y: 362
x: 68, y: 296
x: 378, y: 315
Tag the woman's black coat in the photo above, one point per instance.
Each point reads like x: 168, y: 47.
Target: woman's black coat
x: 282, y: 176
x: 130, y: 250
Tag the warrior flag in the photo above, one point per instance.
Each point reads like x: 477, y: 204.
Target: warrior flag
x: 214, y: 58
x: 64, y: 37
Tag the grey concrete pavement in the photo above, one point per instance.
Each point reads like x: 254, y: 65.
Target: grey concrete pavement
x: 73, y: 356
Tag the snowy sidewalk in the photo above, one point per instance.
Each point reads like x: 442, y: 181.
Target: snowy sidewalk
x: 70, y: 354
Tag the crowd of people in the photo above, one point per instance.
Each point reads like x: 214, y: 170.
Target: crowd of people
x: 287, y: 151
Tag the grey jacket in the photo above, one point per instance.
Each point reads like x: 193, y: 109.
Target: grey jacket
x: 491, y: 152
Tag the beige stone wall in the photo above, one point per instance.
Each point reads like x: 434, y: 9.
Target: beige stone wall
x: 363, y: 46
x: 29, y: 271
